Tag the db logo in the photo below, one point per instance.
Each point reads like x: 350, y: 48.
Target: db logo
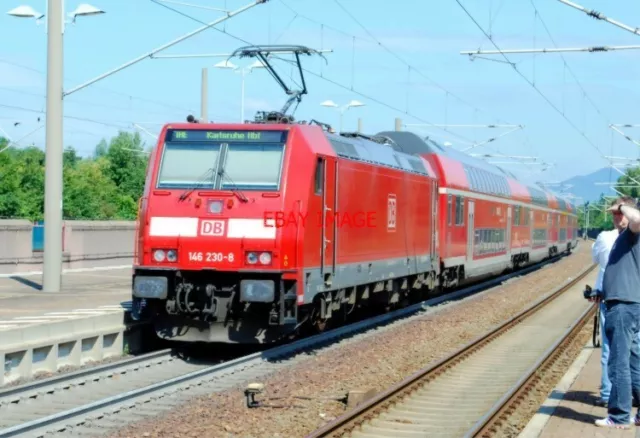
x: 212, y: 228
x: 391, y: 212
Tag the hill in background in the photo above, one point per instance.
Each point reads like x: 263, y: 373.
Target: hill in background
x: 585, y: 187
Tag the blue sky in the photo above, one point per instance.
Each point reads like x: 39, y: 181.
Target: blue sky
x: 430, y: 83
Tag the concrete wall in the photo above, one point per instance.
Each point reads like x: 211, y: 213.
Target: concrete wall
x: 86, y: 244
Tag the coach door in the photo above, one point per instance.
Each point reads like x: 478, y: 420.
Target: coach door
x: 329, y: 235
x: 434, y: 221
x: 470, y: 229
x: 531, y: 227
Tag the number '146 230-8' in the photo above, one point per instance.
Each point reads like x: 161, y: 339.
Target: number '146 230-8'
x: 210, y: 257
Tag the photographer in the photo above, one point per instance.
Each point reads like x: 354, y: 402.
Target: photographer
x: 600, y: 254
x: 621, y: 296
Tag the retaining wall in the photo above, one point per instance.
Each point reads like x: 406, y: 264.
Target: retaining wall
x: 28, y: 351
x: 85, y: 244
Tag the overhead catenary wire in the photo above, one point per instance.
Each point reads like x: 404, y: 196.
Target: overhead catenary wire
x: 600, y: 16
x: 566, y: 65
x: 85, y: 102
x: 374, y: 40
x: 111, y: 124
x: 526, y: 79
x: 108, y: 90
x: 538, y: 90
x: 333, y: 82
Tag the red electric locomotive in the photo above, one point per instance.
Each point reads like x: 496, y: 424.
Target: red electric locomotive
x: 249, y: 231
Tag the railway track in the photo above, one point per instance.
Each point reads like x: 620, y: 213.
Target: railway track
x: 98, y: 400
x: 469, y: 392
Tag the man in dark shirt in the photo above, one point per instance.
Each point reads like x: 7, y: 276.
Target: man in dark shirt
x: 621, y: 294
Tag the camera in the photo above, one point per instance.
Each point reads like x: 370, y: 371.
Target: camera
x: 590, y: 293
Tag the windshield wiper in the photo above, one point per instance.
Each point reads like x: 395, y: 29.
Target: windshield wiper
x: 198, y: 183
x: 234, y: 190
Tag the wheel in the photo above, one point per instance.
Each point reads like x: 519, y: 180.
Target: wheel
x: 596, y: 329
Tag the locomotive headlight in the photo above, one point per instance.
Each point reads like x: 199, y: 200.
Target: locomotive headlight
x: 215, y: 206
x: 252, y: 258
x: 265, y: 258
x: 172, y: 255
x: 158, y: 255
x: 257, y: 291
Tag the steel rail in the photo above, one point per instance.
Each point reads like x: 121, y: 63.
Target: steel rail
x: 381, y: 402
x: 249, y: 360
x: 505, y: 406
x: 17, y: 392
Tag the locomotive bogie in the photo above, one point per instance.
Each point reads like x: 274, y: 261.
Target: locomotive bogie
x: 214, y: 306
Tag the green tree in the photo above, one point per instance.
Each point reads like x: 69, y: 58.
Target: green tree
x: 105, y: 186
x: 70, y: 157
x: 629, y: 186
x: 30, y: 170
x: 127, y: 169
x: 10, y: 201
x: 88, y: 192
x: 101, y: 149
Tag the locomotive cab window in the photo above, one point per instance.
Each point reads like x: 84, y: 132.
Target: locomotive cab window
x: 253, y: 167
x: 222, y: 160
x: 187, y: 164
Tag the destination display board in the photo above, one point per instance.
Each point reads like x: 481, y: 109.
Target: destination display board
x: 226, y: 136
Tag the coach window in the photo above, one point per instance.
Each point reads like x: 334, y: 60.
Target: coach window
x: 485, y: 182
x: 319, y: 175
x: 459, y: 210
x: 449, y: 206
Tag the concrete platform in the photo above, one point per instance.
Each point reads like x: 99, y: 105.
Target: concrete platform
x: 87, y: 321
x: 570, y: 412
x: 83, y: 291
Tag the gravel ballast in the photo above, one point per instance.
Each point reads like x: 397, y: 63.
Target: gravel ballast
x: 303, y: 398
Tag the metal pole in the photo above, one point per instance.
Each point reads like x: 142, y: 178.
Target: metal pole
x: 204, y: 95
x: 52, y: 269
x: 398, y: 124
x: 587, y: 222
x: 341, y: 118
x: 359, y: 124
